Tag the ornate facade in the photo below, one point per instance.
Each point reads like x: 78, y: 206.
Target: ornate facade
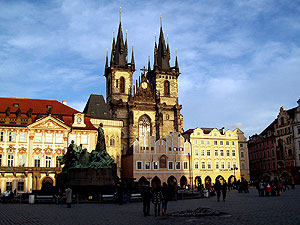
x: 33, y: 133
x: 151, y: 105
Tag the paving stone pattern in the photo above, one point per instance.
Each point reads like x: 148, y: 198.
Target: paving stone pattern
x: 238, y: 209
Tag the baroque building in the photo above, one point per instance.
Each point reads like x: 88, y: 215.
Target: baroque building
x: 217, y: 154
x: 151, y: 104
x: 33, y: 134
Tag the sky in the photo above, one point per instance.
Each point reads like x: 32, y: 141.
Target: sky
x: 239, y: 60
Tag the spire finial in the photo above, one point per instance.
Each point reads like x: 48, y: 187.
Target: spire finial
x: 176, y: 51
x: 167, y: 38
x: 126, y: 34
x: 155, y: 37
x: 160, y: 20
x: 120, y: 13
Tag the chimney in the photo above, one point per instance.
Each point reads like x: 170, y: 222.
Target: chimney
x: 64, y: 102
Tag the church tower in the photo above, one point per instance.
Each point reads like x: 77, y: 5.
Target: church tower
x: 119, y: 82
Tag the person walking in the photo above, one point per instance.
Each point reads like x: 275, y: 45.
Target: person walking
x: 224, y: 190
x: 69, y: 196
x: 157, y: 198
x: 218, y: 189
x: 146, y: 197
x: 165, y: 193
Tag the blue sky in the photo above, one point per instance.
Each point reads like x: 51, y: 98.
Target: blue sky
x: 239, y: 60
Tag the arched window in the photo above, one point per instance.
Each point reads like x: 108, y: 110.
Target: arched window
x: 144, y: 125
x: 163, y: 161
x: 122, y: 85
x: 108, y: 86
x: 112, y: 141
x: 167, y: 88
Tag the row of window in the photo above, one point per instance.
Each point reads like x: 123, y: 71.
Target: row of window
x: 22, y: 161
x: 208, y: 153
x: 207, y: 165
x: 155, y: 165
x: 20, y: 186
x: 215, y: 143
x: 38, y: 137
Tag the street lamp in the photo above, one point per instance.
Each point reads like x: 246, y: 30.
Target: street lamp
x: 234, y: 169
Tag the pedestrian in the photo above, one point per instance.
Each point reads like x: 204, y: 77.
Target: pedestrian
x: 218, y: 189
x: 120, y: 193
x: 146, y: 197
x: 69, y: 196
x: 292, y: 183
x: 157, y: 198
x: 261, y: 186
x: 224, y: 189
x: 165, y: 193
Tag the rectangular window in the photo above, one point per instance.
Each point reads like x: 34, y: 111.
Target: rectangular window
x: 241, y: 145
x: 10, y: 160
x: 20, y: 186
x: 208, y: 152
x: 84, y: 139
x: 22, y: 160
x: 48, y: 138
x: 1, y: 136
x: 0, y: 159
x: 234, y: 165
x: 139, y: 165
x: 57, y: 162
x: 232, y: 143
x: 223, y: 165
x: 196, y: 165
x: 38, y: 137
x: 59, y: 138
x: 23, y: 136
x: 202, y: 165
x: 233, y: 152
x: 170, y: 165
x: 243, y: 166
x: 178, y: 165
x: 11, y: 136
x: 72, y: 137
x: 155, y: 165
x: 217, y: 165
x: 147, y: 165
x: 37, y: 161
x: 185, y: 165
x: 228, y: 165
x: 48, y: 161
x: 202, y: 152
x: 209, y: 165
x: 8, y: 186
x: 216, y: 152
x: 215, y: 142
x: 221, y: 152
x: 242, y: 154
x: 195, y: 142
x: 208, y: 142
x: 221, y: 143
x: 227, y: 142
x: 202, y: 142
x: 227, y: 152
x: 196, y: 152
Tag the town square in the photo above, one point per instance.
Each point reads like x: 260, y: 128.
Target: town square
x: 149, y: 112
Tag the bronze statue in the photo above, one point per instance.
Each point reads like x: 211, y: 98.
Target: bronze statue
x: 101, y: 139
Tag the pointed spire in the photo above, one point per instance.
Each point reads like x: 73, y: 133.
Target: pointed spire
x: 176, y: 62
x: 126, y: 49
x: 106, y: 60
x: 112, y: 50
x: 162, y: 52
x: 149, y: 67
x: 132, y: 60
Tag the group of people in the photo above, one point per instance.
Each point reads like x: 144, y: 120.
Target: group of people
x: 274, y: 187
x: 158, y: 195
x: 64, y: 197
x: 221, y: 187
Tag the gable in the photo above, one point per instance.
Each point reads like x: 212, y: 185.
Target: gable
x: 48, y: 123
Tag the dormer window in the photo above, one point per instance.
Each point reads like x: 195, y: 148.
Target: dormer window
x: 49, y: 106
x: 16, y: 105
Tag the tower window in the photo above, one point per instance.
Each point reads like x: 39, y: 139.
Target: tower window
x: 122, y: 85
x: 144, y: 125
x: 167, y: 88
x: 117, y: 83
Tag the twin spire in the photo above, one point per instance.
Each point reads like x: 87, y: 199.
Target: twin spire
x: 119, y: 53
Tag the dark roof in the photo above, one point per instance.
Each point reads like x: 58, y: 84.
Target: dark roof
x: 97, y: 108
x: 269, y: 128
x: 291, y: 112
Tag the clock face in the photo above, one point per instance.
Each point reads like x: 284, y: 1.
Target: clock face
x: 144, y: 85
x: 79, y: 120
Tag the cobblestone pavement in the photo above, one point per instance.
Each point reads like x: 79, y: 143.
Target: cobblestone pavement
x: 239, y: 209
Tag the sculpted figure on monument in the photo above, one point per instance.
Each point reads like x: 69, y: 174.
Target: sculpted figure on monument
x: 101, y: 139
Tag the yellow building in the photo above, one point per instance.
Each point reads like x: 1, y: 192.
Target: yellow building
x: 33, y: 133
x: 216, y: 154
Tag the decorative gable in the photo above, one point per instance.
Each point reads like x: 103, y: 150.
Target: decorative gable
x: 79, y: 120
x: 48, y: 123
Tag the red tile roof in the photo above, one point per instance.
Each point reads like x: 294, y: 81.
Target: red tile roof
x: 40, y: 108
